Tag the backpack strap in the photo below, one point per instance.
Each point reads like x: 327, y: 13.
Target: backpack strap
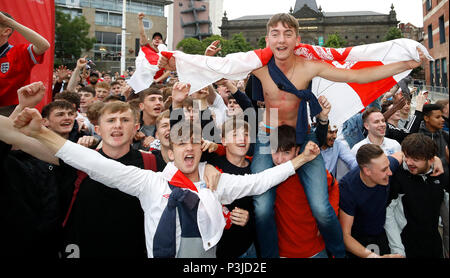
x: 149, y: 161
x: 80, y: 177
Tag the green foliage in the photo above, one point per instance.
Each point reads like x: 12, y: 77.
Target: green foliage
x: 193, y: 46
x: 335, y: 41
x: 237, y: 44
x: 262, y: 42
x: 71, y: 36
x: 392, y: 34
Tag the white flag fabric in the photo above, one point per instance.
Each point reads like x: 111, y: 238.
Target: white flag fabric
x: 146, y: 68
x: 346, y: 99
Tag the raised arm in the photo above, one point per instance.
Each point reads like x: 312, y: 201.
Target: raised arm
x: 142, y: 35
x: 40, y: 44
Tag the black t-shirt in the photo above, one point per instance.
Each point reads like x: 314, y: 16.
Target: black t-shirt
x: 33, y: 195
x: 105, y: 222
x: 422, y: 199
x: 236, y: 240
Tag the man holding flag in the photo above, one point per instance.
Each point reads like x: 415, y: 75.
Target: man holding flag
x: 16, y: 61
x: 286, y: 84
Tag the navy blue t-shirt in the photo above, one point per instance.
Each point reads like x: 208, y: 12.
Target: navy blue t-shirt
x: 366, y: 204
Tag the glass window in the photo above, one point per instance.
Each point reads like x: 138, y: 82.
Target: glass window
x: 431, y: 73
x: 428, y: 5
x: 105, y: 18
x: 430, y: 36
x: 444, y: 72
x: 441, y: 30
x: 438, y: 72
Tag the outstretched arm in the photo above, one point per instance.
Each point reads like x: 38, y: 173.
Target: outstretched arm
x: 40, y: 44
x: 232, y: 187
x: 365, y: 75
x: 129, y: 179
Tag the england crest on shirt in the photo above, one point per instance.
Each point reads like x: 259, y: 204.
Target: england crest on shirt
x: 4, y: 67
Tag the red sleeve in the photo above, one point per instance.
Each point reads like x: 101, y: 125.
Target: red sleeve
x: 333, y: 192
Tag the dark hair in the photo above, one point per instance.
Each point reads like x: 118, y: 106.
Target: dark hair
x: 59, y: 104
x: 69, y: 96
x: 157, y: 34
x: 286, y: 138
x: 366, y: 153
x: 115, y: 83
x: 419, y: 146
x: 88, y: 89
x: 233, y: 124
x: 369, y: 111
x: 149, y: 91
x: 428, y: 108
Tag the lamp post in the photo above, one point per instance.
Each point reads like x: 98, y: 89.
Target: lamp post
x: 123, y: 46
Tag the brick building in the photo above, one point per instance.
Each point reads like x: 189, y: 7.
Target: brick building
x: 435, y: 25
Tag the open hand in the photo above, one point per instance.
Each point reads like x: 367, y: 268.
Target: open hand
x: 213, y: 48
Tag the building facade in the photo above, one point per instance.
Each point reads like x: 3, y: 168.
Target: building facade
x: 105, y: 19
x: 316, y: 25
x: 435, y: 25
x: 193, y: 19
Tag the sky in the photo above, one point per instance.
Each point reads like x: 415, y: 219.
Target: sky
x: 407, y: 10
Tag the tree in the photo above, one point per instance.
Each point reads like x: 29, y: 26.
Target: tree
x: 262, y: 42
x: 191, y: 46
x: 335, y: 41
x: 392, y: 34
x: 71, y: 37
x: 237, y: 44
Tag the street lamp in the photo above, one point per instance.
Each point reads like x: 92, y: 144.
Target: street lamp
x: 123, y: 46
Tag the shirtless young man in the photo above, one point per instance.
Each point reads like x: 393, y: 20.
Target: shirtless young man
x: 282, y: 37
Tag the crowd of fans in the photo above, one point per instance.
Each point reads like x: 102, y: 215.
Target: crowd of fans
x: 381, y: 171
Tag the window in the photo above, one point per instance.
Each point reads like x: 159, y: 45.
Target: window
x: 437, y: 72
x: 441, y: 30
x: 108, y: 46
x: 444, y: 72
x: 428, y: 5
x: 148, y: 24
x: 430, y: 36
x: 72, y: 12
x: 107, y: 18
x: 431, y: 73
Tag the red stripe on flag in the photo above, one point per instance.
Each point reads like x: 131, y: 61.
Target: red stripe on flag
x: 371, y: 91
x: 150, y: 54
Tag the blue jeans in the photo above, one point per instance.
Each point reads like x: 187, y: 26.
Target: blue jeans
x: 250, y: 253
x: 321, y: 255
x: 314, y: 180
